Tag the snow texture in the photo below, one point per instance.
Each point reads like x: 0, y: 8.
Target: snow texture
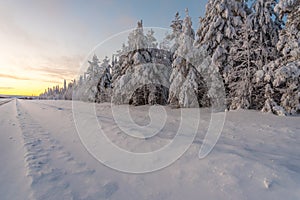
x: 255, y: 158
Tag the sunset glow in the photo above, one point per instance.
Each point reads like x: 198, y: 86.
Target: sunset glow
x: 45, y: 42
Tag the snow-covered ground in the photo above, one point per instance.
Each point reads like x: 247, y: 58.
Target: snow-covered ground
x: 42, y: 157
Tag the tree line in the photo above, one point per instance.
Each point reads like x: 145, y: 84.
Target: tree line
x: 244, y: 55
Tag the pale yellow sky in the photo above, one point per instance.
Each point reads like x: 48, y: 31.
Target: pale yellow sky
x: 34, y: 54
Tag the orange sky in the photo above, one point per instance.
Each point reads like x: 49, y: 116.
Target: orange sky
x: 23, y: 87
x: 17, y: 80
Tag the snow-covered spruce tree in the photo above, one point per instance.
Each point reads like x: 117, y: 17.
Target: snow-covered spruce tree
x: 265, y: 85
x: 143, y: 74
x: 87, y: 91
x: 187, y: 87
x: 135, y: 52
x: 289, y: 42
x: 219, y: 27
x: 283, y: 92
x: 104, y: 85
x: 69, y: 91
x: 250, y: 56
x: 213, y: 81
x: 286, y: 69
x: 171, y: 40
x: 266, y: 26
x: 166, y: 42
x: 119, y: 62
x: 282, y: 88
x: 238, y: 77
x: 218, y: 30
x: 284, y: 72
x: 270, y: 105
x: 287, y: 81
x: 151, y: 40
x: 136, y: 39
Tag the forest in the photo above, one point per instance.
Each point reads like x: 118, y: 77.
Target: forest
x: 244, y: 55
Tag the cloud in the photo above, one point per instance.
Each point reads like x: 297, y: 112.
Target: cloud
x: 6, y: 88
x: 20, y: 78
x: 55, y: 73
x: 13, y: 77
x: 59, y: 68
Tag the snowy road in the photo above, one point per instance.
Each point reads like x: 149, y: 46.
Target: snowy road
x: 42, y: 157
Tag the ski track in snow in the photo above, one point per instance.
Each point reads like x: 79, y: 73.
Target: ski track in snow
x: 2, y: 102
x: 256, y: 157
x: 54, y: 179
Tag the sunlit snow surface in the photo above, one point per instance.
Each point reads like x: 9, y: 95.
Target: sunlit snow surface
x: 42, y: 157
